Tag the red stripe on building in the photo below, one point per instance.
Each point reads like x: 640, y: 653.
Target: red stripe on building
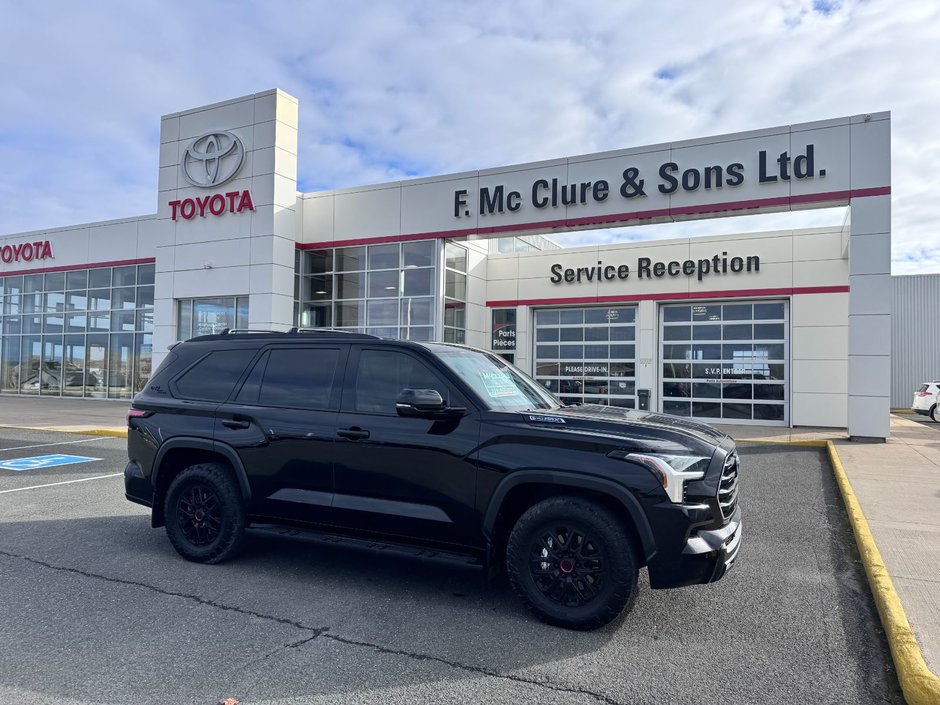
x: 834, y: 197
x: 73, y: 267
x: 681, y: 295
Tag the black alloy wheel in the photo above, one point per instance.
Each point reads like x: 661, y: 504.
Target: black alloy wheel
x: 198, y: 514
x: 567, y: 565
x: 205, y: 513
x: 572, y: 562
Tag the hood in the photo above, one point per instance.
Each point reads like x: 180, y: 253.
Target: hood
x: 642, y: 430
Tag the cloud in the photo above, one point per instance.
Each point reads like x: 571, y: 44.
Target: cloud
x: 394, y: 90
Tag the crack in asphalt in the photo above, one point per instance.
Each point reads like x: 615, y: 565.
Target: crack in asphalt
x: 318, y: 632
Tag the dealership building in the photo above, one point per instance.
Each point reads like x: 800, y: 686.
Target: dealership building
x: 785, y: 328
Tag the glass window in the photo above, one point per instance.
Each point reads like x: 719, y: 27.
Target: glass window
x: 418, y: 254
x: 418, y: 282
x: 145, y: 274
x: 382, y: 375
x: 54, y: 281
x: 351, y: 286
x: 350, y: 259
x: 100, y: 277
x: 207, y: 316
x: 384, y: 256
x: 145, y: 297
x: 214, y: 376
x: 124, y: 276
x: 301, y: 378
x: 383, y: 284
x: 455, y: 257
x: 417, y: 312
x: 382, y: 313
x: 32, y: 283
x: 77, y: 279
x: 455, y: 285
x: 318, y: 261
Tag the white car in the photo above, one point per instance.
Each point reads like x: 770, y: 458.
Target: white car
x: 925, y: 400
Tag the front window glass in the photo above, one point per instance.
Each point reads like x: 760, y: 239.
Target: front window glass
x: 500, y: 385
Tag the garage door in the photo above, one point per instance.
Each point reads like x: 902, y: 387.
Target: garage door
x: 587, y: 355
x: 726, y: 362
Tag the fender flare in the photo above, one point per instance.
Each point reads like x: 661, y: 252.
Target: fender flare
x: 585, y: 482
x: 192, y: 442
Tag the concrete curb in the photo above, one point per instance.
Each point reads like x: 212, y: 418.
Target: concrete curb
x: 919, y: 684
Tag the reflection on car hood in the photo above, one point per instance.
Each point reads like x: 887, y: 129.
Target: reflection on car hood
x: 647, y: 428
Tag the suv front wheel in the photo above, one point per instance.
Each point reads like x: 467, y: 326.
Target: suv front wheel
x: 572, y: 562
x: 205, y: 514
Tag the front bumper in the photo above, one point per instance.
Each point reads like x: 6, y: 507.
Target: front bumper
x: 707, y: 556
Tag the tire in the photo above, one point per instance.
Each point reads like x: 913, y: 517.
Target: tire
x: 586, y: 583
x: 935, y: 414
x: 205, y: 514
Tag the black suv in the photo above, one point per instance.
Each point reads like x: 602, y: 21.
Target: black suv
x: 432, y: 445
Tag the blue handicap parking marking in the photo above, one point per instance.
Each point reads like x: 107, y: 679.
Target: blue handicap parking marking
x: 43, y: 461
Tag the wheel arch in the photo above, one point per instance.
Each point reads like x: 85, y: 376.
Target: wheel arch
x: 521, y: 489
x: 181, y: 452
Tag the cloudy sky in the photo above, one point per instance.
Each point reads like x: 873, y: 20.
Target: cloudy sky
x: 391, y: 90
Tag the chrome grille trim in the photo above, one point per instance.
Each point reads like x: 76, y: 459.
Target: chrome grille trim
x: 728, y: 486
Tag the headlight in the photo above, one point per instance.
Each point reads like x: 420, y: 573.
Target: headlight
x: 673, y: 470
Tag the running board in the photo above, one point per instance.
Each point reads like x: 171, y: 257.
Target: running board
x: 403, y: 550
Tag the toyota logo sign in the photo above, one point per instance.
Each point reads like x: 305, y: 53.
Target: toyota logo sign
x: 212, y: 159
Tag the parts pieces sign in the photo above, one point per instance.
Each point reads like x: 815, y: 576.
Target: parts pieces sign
x: 38, y: 462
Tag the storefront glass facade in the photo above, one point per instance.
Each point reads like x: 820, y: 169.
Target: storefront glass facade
x: 389, y: 290
x: 82, y: 333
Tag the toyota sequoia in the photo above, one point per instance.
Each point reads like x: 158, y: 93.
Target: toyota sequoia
x: 431, y: 448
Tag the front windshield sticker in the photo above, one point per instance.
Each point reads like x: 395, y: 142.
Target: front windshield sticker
x: 498, y: 384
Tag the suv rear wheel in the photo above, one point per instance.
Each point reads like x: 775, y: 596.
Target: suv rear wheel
x: 572, y: 562
x: 205, y: 514
x: 934, y: 413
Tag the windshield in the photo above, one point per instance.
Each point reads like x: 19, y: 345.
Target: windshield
x: 500, y: 385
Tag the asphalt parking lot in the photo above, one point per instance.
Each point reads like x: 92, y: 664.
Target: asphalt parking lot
x: 98, y: 608
x: 922, y: 419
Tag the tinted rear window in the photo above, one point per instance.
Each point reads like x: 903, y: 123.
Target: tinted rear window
x: 214, y: 376
x: 300, y: 378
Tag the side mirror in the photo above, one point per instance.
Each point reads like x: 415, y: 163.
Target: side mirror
x: 424, y: 403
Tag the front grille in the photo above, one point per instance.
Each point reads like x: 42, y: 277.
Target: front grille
x: 728, y: 486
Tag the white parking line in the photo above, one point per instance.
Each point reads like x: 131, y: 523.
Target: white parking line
x: 66, y: 482
x: 62, y: 443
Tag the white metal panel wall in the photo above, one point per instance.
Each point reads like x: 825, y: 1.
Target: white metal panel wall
x: 915, y: 334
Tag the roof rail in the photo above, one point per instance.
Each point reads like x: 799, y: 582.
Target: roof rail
x: 238, y: 331
x: 330, y: 331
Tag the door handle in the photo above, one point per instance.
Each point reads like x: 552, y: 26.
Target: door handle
x: 236, y: 423
x: 353, y: 434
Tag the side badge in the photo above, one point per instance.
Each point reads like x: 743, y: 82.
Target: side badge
x: 547, y: 419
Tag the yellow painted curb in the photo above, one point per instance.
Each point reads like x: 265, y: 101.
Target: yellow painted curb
x: 113, y: 433
x: 902, y: 411
x: 805, y: 442
x: 920, y: 685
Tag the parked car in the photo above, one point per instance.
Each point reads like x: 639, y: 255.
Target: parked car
x: 925, y: 400
x: 430, y: 445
